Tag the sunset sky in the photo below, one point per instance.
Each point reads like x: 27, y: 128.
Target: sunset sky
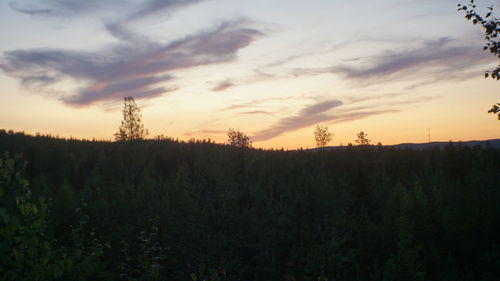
x: 271, y: 68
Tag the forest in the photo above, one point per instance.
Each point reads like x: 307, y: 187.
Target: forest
x: 169, y: 210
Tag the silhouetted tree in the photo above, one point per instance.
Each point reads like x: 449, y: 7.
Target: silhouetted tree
x: 131, y: 127
x: 322, y: 136
x: 491, y: 27
x: 238, y: 138
x: 495, y: 109
x: 362, y: 140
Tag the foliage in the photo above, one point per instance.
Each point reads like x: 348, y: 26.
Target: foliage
x: 322, y: 136
x: 86, y: 249
x: 131, y: 127
x: 146, y: 264
x: 346, y: 214
x: 491, y: 27
x: 362, y: 140
x: 208, y: 274
x: 238, y: 139
x: 26, y: 252
x: 495, y: 109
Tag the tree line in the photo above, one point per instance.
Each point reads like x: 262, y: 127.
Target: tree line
x: 165, y: 210
x: 132, y: 129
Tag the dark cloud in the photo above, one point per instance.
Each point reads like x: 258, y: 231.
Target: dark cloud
x: 315, y: 114
x: 126, y: 68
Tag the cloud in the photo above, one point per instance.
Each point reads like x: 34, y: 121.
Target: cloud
x: 205, y: 132
x: 128, y: 68
x: 256, y: 112
x: 315, y: 114
x: 437, y: 59
x: 64, y: 8
x: 308, y: 116
x: 257, y: 103
x: 223, y: 85
x: 434, y: 57
x: 155, y: 6
x: 257, y: 76
x: 129, y: 10
x: 122, y: 33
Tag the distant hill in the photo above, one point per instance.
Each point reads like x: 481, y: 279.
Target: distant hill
x: 494, y: 143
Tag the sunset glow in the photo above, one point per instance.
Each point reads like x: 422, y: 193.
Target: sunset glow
x: 394, y: 69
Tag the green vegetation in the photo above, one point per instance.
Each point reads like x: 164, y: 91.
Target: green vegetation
x: 165, y: 210
x: 491, y: 28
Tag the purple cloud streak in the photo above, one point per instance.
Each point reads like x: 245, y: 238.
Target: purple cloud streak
x: 127, y: 69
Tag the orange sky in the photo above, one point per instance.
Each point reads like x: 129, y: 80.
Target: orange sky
x: 272, y: 70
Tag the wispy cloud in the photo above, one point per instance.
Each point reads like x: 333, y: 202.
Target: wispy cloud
x: 257, y: 103
x: 127, y: 68
x: 436, y: 58
x: 306, y: 117
x: 129, y: 10
x: 64, y: 8
x: 223, y: 85
x: 256, y: 112
x: 256, y: 76
x: 318, y: 113
x: 155, y: 6
x: 206, y: 132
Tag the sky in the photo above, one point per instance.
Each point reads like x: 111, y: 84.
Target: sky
x: 274, y: 69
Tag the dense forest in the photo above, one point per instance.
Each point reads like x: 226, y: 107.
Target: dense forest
x: 168, y: 210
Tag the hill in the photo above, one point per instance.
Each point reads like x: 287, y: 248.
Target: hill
x: 493, y: 143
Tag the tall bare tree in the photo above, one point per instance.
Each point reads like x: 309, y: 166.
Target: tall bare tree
x: 131, y: 127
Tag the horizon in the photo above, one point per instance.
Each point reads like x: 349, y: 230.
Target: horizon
x: 394, y: 70
x: 208, y: 140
